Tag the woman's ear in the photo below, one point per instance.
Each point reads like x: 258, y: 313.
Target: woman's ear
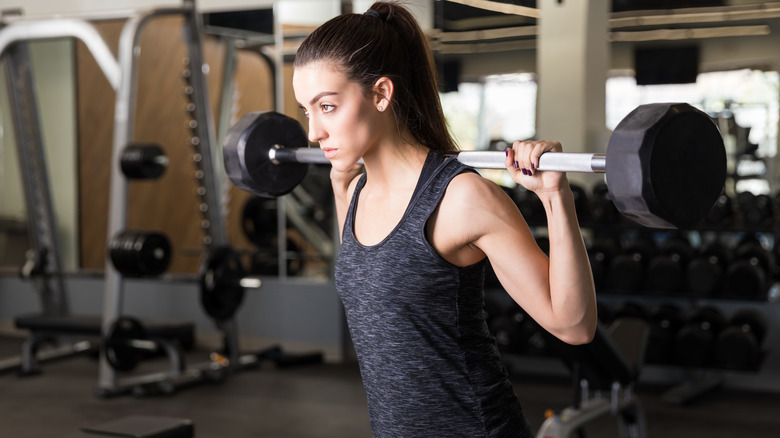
x: 383, y: 93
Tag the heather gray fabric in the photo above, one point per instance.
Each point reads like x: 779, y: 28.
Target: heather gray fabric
x: 429, y: 364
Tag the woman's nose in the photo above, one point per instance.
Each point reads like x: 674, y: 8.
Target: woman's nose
x: 315, y: 131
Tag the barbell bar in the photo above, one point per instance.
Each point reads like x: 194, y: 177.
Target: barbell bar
x: 665, y: 163
x: 561, y: 161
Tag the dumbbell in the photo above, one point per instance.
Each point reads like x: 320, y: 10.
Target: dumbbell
x: 600, y: 206
x: 706, y: 272
x: 600, y: 254
x: 739, y: 344
x: 756, y: 209
x: 695, y: 345
x: 627, y: 269
x: 722, y: 213
x: 664, y: 321
x: 748, y: 275
x: 666, y: 270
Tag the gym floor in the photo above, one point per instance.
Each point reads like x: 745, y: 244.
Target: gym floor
x: 323, y: 400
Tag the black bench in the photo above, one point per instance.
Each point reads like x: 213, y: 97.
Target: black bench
x: 604, y: 373
x: 45, y: 328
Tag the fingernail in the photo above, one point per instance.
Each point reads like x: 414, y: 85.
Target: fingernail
x: 506, y: 152
x: 517, y: 165
x: 532, y: 166
x: 524, y: 170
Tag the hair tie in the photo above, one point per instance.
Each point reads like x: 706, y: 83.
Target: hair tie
x: 374, y: 13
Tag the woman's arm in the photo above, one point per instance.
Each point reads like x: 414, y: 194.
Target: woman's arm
x: 477, y: 218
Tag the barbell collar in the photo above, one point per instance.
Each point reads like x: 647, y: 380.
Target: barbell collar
x: 553, y: 161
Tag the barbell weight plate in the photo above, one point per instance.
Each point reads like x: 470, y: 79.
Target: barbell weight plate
x: 259, y: 221
x: 143, y: 161
x: 245, y: 152
x: 221, y: 294
x: 118, y: 348
x: 666, y: 165
x: 137, y: 253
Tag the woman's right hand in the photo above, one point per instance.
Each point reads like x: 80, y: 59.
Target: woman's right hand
x: 340, y: 180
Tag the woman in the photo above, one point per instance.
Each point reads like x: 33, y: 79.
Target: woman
x: 417, y: 228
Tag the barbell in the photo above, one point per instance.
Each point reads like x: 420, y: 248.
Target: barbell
x: 665, y: 163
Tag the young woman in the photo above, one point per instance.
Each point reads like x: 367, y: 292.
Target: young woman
x: 417, y: 228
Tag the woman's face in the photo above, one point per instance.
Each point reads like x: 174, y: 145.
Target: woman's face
x: 342, y: 119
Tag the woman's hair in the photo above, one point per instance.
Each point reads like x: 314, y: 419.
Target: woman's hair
x: 387, y: 41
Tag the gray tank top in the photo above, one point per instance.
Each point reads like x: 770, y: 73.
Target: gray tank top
x: 429, y: 364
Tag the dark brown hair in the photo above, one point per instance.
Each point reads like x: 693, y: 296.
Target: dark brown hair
x: 389, y: 43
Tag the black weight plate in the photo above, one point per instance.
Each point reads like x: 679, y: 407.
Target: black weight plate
x: 120, y: 353
x: 666, y: 165
x: 140, y: 161
x: 246, y: 149
x: 220, y: 292
x: 687, y: 167
x: 153, y: 252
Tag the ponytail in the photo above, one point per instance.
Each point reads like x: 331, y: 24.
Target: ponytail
x: 386, y: 41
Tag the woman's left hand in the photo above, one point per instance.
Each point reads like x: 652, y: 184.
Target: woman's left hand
x: 522, y: 162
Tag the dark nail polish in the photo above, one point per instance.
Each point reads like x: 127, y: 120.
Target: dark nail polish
x: 517, y: 165
x: 532, y: 166
x: 524, y: 170
x: 506, y: 152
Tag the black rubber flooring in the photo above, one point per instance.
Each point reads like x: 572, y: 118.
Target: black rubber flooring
x: 324, y: 400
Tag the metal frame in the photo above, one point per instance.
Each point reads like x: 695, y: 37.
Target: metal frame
x: 44, y: 240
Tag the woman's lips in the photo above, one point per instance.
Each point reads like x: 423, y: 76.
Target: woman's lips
x: 329, y: 153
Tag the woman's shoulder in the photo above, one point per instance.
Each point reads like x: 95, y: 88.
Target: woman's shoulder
x: 469, y: 191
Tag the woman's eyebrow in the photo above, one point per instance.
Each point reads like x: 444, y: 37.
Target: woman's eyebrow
x: 321, y: 95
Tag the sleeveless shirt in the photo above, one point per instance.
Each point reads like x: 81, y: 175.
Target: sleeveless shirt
x: 430, y: 366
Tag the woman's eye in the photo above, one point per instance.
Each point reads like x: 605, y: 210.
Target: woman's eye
x: 305, y: 111
x: 327, y: 108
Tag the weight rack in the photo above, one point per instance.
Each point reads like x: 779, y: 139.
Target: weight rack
x: 203, y: 143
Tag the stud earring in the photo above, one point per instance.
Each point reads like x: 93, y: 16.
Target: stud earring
x: 380, y: 108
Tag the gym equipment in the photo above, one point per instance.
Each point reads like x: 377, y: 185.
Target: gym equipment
x: 600, y: 254
x: 43, y: 269
x: 739, y: 344
x: 580, y: 203
x: 143, y: 161
x: 707, y: 270
x: 748, y: 275
x: 722, y: 213
x: 627, y: 269
x: 664, y: 320
x: 600, y: 206
x: 604, y: 373
x: 695, y: 342
x: 140, y: 253
x: 756, y: 209
x: 260, y: 221
x: 666, y: 271
x: 665, y: 163
x: 222, y: 283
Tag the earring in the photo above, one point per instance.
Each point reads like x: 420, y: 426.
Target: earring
x: 380, y: 108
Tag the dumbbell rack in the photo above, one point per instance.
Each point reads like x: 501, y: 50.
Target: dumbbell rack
x: 699, y: 379
x: 44, y: 266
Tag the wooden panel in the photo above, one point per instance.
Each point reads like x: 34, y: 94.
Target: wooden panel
x: 168, y: 204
